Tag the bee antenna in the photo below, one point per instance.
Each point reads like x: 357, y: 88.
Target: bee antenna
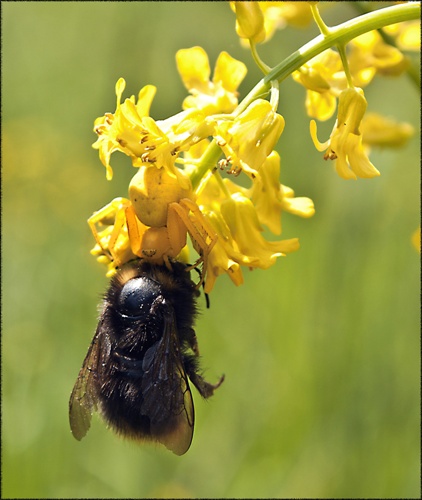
x: 207, y: 300
x: 207, y: 297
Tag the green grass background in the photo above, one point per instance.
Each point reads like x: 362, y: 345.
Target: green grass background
x: 321, y: 352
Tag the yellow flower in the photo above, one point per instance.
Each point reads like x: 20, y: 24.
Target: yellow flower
x: 276, y: 15
x: 223, y: 258
x: 122, y: 251
x: 407, y: 34
x: 296, y: 205
x: 370, y: 55
x: 249, y: 138
x: 134, y: 133
x: 211, y: 97
x: 271, y: 198
x: 240, y: 242
x: 111, y: 249
x: 236, y: 221
x: 345, y: 143
x: 121, y: 131
x: 324, y: 78
x: 241, y: 218
x: 249, y: 20
x: 377, y: 130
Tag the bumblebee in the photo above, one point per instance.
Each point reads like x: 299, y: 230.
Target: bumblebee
x: 136, y: 371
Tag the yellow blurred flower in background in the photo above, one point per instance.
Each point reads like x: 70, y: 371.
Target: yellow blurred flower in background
x: 324, y: 78
x: 378, y: 130
x: 416, y: 239
x: 370, y: 55
x: 407, y: 35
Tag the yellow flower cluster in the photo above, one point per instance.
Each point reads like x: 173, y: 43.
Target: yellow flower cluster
x: 179, y: 188
x: 324, y: 76
x: 326, y: 82
x: 224, y: 220
x: 237, y: 215
x: 329, y: 82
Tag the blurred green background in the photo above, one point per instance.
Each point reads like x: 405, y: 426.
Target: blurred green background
x: 321, y: 352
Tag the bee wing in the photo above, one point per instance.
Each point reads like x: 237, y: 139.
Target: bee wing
x: 167, y: 397
x: 83, y: 400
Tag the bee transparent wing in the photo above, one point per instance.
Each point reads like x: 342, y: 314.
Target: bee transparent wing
x: 83, y: 400
x: 167, y: 397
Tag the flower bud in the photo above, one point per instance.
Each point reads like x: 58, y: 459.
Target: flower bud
x: 249, y: 21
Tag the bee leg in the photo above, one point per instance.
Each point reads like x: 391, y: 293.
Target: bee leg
x: 205, y: 389
x: 193, y: 342
x: 167, y: 262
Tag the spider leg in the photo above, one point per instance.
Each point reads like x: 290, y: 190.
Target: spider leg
x: 112, y: 214
x: 202, y: 234
x: 133, y: 228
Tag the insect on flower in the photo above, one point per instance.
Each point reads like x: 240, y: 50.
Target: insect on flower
x: 145, y: 349
x: 143, y: 352
x: 153, y: 224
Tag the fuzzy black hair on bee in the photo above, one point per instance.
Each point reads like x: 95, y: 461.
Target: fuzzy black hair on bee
x: 144, y: 352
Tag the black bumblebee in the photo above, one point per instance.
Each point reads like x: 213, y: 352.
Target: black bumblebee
x: 137, y: 367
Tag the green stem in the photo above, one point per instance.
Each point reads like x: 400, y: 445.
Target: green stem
x: 338, y: 35
x: 342, y: 51
x: 323, y: 28
x: 208, y: 162
x: 223, y: 187
x: 258, y: 61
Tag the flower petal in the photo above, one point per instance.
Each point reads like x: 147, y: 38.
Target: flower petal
x: 194, y: 67
x: 229, y: 71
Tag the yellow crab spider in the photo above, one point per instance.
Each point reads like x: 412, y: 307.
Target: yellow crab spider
x: 108, y: 227
x: 162, y: 244
x: 157, y: 218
